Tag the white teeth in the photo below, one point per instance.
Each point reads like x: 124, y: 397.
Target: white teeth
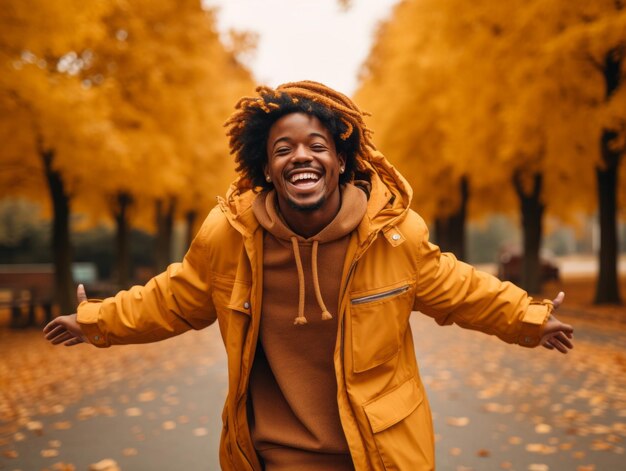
x: 303, y: 176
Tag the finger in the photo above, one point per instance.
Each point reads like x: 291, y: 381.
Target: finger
x: 558, y: 300
x: 74, y: 341
x: 49, y: 326
x: 567, y: 329
x: 565, y: 340
x: 61, y: 338
x: 81, y: 295
x: 55, y: 332
x: 547, y: 345
x: 558, y: 345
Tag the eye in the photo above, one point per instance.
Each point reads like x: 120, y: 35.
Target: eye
x: 318, y: 147
x: 282, y: 150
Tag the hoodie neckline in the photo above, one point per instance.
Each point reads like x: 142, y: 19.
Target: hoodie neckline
x: 351, y: 212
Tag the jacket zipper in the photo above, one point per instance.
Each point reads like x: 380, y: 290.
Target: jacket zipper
x: 379, y: 296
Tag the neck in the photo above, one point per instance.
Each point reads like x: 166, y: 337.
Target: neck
x: 308, y: 223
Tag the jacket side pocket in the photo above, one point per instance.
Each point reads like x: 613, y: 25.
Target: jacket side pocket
x: 402, y: 428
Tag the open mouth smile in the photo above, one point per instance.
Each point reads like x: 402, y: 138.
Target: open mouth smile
x: 304, y: 180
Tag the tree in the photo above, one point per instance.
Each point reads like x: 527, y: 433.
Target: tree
x: 587, y: 60
x: 43, y: 49
x: 512, y: 92
x: 423, y: 113
x: 175, y: 83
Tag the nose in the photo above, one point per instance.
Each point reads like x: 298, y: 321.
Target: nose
x: 302, y: 155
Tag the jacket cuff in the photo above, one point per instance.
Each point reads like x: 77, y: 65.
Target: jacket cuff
x: 533, y: 321
x: 87, y: 317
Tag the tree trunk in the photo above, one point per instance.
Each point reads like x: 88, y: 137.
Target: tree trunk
x: 190, y: 218
x: 64, y: 292
x: 165, y: 225
x: 450, y: 230
x: 122, y: 239
x: 607, y: 289
x: 532, y: 211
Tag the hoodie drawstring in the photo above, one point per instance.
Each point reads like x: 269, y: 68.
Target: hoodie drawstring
x: 316, y: 284
x: 296, y: 252
x: 301, y: 319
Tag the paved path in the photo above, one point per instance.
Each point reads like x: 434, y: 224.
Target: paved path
x: 495, y: 406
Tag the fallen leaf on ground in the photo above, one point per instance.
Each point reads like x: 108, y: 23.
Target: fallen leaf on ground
x: 146, y: 396
x: 457, y: 421
x: 168, y: 425
x: 49, y: 453
x: 540, y: 448
x: 63, y: 467
x: 62, y: 425
x: 10, y: 454
x: 35, y: 427
x: 133, y: 412
x: 599, y: 445
x: 543, y: 428
x: 104, y: 465
x: 87, y: 413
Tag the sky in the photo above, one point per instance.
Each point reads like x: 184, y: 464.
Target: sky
x: 306, y: 39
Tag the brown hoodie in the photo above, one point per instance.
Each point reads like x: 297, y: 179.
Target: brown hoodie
x: 294, y: 415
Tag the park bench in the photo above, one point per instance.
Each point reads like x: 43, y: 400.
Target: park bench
x: 24, y: 288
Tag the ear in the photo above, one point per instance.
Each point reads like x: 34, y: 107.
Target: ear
x: 265, y: 171
x: 342, y: 160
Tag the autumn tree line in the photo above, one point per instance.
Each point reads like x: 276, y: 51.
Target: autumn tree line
x: 114, y: 108
x: 487, y: 106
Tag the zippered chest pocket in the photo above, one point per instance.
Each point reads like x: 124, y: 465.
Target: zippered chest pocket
x: 380, y: 296
x: 378, y: 322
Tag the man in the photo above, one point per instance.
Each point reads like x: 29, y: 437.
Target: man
x: 312, y: 265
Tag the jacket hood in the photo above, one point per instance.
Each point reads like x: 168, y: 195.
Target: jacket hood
x: 388, y: 203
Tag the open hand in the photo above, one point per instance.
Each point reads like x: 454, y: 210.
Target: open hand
x: 556, y: 334
x: 65, y: 329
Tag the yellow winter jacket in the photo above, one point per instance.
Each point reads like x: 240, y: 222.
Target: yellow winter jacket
x: 389, y: 271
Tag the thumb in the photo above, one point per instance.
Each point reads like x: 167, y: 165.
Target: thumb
x: 558, y: 300
x: 80, y: 294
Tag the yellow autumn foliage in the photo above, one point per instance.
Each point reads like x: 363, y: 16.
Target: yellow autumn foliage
x: 125, y: 95
x: 488, y: 89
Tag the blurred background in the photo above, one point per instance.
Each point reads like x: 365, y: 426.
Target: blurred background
x: 507, y: 118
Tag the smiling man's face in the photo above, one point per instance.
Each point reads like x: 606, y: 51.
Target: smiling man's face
x: 304, y: 166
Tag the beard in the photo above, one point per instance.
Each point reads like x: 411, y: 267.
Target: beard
x: 307, y: 207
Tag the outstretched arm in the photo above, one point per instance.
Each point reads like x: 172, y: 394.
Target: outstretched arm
x: 556, y: 334
x: 65, y: 329
x: 172, y: 302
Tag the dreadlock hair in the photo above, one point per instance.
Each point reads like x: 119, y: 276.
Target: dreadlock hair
x: 250, y: 124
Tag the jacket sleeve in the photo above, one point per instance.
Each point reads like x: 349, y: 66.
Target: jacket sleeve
x: 171, y: 303
x: 451, y: 291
